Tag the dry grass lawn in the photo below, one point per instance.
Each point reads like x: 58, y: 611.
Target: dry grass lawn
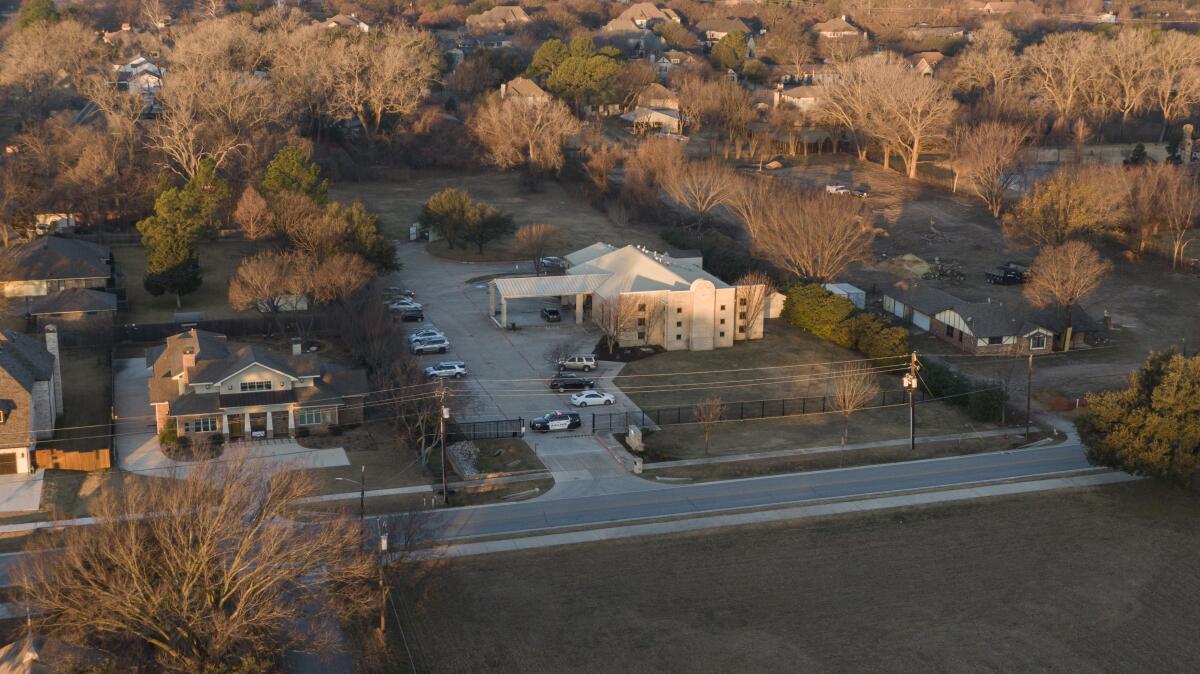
x: 398, y: 203
x: 1089, y: 580
x: 218, y: 261
x: 728, y: 374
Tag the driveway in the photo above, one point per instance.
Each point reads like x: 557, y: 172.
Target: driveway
x: 509, y: 369
x: 21, y: 492
x: 137, y: 444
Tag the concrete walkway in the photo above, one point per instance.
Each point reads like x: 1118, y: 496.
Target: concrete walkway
x: 803, y: 451
x: 21, y: 492
x: 768, y: 516
x: 428, y: 488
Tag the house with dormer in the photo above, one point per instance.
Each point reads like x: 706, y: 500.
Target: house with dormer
x: 647, y: 14
x: 504, y: 17
x: 201, y: 385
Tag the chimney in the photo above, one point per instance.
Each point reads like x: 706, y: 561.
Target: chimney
x: 189, y: 361
x: 296, y: 347
x: 503, y: 90
x: 56, y: 384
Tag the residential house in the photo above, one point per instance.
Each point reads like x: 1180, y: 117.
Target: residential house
x: 346, y: 21
x: 630, y: 38
x: 654, y: 119
x: 139, y: 77
x: 657, y: 96
x: 51, y: 264
x: 998, y: 7
x: 713, y: 30
x: 117, y: 37
x: 30, y: 396
x: 671, y: 59
x: 803, y: 98
x: 505, y: 17
x: 671, y: 301
x: 205, y: 386
x: 494, y: 41
x: 54, y: 223
x: 73, y: 309
x: 646, y: 14
x: 524, y: 89
x: 989, y: 327
x: 836, y: 29
x: 926, y: 61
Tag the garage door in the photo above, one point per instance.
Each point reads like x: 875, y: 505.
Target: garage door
x: 921, y: 320
x: 8, y: 464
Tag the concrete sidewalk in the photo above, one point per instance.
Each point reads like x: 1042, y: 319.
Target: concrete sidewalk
x: 428, y: 488
x: 803, y: 451
x: 677, y: 526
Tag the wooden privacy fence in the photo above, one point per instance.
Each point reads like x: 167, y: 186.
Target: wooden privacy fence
x: 93, y: 459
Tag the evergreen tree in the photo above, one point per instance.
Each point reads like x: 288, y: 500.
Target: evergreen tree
x: 731, y: 52
x: 365, y: 237
x: 547, y: 58
x: 486, y: 224
x: 446, y: 213
x: 293, y: 170
x: 182, y: 216
x: 37, y: 11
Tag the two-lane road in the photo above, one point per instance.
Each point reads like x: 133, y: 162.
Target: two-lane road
x: 692, y: 499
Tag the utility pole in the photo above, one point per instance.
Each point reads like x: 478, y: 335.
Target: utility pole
x: 910, y: 385
x: 383, y: 588
x: 443, y: 414
x: 362, y: 493
x: 1028, y: 396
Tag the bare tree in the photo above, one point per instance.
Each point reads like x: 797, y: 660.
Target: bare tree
x: 698, y: 186
x: 1066, y: 204
x: 816, y: 236
x: 1178, y: 205
x: 1128, y: 69
x: 1175, y: 84
x: 708, y: 413
x: 854, y: 388
x: 615, y: 317
x: 992, y: 157
x: 253, y: 215
x: 1062, y: 276
x: 384, y: 72
x: 646, y: 167
x: 911, y: 113
x: 200, y: 572
x: 1061, y: 68
x: 989, y: 64
x: 516, y: 132
x: 335, y: 278
x: 754, y: 289
x: 264, y: 281
x: 537, y: 239
x: 602, y: 158
x: 755, y: 200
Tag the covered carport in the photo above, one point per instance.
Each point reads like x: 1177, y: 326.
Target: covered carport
x: 526, y: 287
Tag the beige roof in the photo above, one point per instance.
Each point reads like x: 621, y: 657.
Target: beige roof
x: 656, y: 92
x: 619, y: 25
x: 633, y: 270
x: 521, y: 87
x: 931, y: 57
x: 838, y: 25
x: 500, y: 16
x: 546, y: 286
x: 647, y: 11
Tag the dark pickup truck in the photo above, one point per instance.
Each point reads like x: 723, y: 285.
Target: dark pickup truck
x: 1010, y: 274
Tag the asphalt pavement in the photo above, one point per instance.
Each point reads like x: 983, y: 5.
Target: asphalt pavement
x: 759, y: 492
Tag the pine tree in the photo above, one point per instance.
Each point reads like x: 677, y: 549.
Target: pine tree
x: 293, y: 170
x: 37, y: 11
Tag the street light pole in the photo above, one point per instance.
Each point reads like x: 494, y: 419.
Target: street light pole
x: 1028, y: 396
x: 362, y: 493
x: 443, y: 414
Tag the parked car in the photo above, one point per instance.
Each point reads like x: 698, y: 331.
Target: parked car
x: 556, y: 421
x: 578, y: 361
x: 447, y: 368
x: 425, y: 333
x: 398, y: 290
x: 402, y: 304
x: 567, y: 381
x: 430, y: 345
x: 553, y: 263
x: 551, y: 314
x: 412, y: 314
x: 838, y: 188
x: 1008, y: 274
x: 589, y: 398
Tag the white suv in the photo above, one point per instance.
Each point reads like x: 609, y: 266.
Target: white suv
x: 430, y: 345
x: 425, y: 333
x: 447, y: 368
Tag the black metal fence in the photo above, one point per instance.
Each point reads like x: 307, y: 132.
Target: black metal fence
x: 616, y: 422
x: 232, y: 327
x: 457, y: 431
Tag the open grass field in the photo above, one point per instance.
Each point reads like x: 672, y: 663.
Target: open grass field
x: 218, y: 261
x: 800, y: 366
x: 398, y: 203
x: 1090, y: 580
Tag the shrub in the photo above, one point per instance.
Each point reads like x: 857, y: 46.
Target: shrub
x: 169, y: 435
x: 818, y: 311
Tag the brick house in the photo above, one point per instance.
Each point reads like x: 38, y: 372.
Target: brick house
x: 206, y: 386
x: 30, y: 396
x: 50, y: 264
x: 990, y: 327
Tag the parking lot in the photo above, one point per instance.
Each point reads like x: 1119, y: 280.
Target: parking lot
x: 509, y: 370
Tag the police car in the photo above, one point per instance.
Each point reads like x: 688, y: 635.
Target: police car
x: 556, y: 421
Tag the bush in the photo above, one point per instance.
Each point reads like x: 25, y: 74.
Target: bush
x: 169, y: 434
x: 981, y: 400
x: 302, y: 432
x: 818, y: 311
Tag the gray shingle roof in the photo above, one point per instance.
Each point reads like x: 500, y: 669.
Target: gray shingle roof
x: 212, y: 371
x: 24, y: 359
x: 73, y: 300
x: 53, y: 257
x: 167, y: 360
x: 723, y: 26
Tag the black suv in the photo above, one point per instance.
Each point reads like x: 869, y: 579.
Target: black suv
x: 551, y: 314
x: 556, y: 421
x: 566, y: 381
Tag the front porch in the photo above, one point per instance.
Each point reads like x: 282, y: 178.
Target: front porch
x: 260, y: 423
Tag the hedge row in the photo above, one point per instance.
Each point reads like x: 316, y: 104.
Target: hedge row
x: 834, y: 318
x: 982, y: 400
